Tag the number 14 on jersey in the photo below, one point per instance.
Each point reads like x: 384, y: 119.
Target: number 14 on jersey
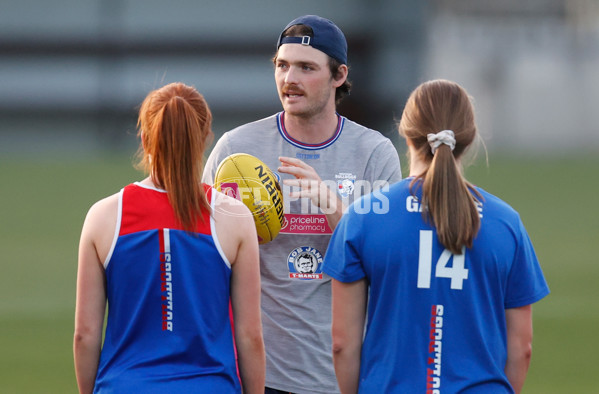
x: 457, y: 273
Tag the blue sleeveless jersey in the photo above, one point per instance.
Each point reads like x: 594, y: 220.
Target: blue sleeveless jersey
x: 435, y: 321
x: 169, y: 328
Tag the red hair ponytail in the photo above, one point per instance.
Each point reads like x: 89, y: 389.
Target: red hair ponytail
x: 174, y: 124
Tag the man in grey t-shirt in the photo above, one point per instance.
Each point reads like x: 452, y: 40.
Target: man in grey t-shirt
x: 326, y: 162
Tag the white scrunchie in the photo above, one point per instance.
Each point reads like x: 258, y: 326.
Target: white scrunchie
x: 446, y: 137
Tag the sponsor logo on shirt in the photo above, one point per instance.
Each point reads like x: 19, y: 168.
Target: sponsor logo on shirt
x: 305, y: 262
x: 433, y: 371
x: 307, y: 156
x: 166, y: 283
x: 305, y: 224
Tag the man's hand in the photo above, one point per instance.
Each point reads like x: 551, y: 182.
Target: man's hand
x: 312, y: 187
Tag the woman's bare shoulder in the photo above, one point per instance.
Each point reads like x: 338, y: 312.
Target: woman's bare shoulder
x: 228, y: 206
x: 104, y: 207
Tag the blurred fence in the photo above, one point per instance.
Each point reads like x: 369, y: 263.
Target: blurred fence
x: 73, y: 73
x: 532, y: 68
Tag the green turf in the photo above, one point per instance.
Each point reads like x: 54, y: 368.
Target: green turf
x: 556, y: 200
x: 44, y: 202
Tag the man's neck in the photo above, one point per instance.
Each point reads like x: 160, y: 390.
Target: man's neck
x: 313, y: 130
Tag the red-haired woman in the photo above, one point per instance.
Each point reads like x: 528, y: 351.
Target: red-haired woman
x: 170, y: 261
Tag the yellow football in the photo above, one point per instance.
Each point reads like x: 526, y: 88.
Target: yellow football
x: 248, y: 179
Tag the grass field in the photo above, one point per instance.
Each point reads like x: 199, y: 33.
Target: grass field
x: 44, y: 202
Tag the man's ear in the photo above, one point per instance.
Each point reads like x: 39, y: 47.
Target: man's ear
x: 340, y: 76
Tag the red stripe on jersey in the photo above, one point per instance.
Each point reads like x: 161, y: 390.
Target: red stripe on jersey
x: 148, y: 209
x: 161, y: 243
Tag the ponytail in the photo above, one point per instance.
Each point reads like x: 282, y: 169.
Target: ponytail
x: 449, y: 202
x: 174, y: 123
x: 439, y: 123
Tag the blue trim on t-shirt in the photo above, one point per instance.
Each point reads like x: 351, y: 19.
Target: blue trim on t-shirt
x: 298, y: 144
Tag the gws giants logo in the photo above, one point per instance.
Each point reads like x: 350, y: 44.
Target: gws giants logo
x: 305, y: 262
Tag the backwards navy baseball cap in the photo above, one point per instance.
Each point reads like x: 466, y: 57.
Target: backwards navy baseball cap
x: 327, y: 37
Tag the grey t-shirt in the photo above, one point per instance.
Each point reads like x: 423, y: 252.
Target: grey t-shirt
x: 296, y: 294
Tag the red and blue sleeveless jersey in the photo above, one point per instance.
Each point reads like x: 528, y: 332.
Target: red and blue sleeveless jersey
x: 168, y: 292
